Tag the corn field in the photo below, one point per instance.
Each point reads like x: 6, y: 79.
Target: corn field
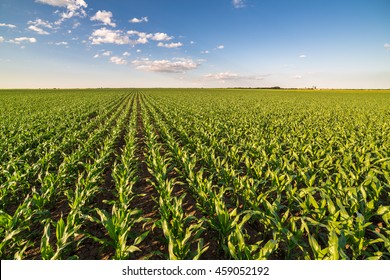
x: 194, y: 174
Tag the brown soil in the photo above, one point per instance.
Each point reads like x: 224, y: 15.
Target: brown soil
x: 190, y: 205
x: 153, y: 247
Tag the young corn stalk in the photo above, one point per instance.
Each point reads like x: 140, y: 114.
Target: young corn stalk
x: 119, y: 224
x: 66, y: 235
x: 13, y: 231
x: 180, y: 230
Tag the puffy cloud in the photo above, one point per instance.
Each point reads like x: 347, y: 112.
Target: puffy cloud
x: 37, y: 25
x: 118, y: 60
x: 302, y: 56
x: 143, y: 38
x: 176, y: 65
x: 139, y: 20
x: 138, y: 33
x: 387, y: 46
x: 238, y: 3
x: 205, y: 52
x: 56, y: 3
x: 170, y: 46
x: 22, y: 40
x: 161, y: 37
x: 134, y: 32
x: 65, y: 16
x: 220, y: 47
x: 7, y: 25
x: 39, y: 30
x: 61, y: 44
x: 105, y: 17
x: 1, y: 39
x: 126, y: 54
x: 103, y: 53
x: 73, y: 8
x: 40, y: 22
x: 71, y: 5
x: 106, y: 36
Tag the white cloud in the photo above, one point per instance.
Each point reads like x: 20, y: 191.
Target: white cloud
x: 64, y: 16
x: 61, y: 43
x: 106, y: 36
x: 107, y: 53
x: 302, y: 56
x: 143, y: 38
x: 118, y: 60
x: 39, y: 30
x: 192, y: 42
x: 133, y: 32
x: 220, y: 47
x: 36, y: 26
x: 238, y: 3
x: 161, y: 37
x: 176, y: 65
x: 105, y: 17
x: 7, y: 25
x: 222, y: 76
x: 126, y: 54
x: 71, y: 5
x: 56, y: 3
x: 205, y: 52
x: 77, y: 24
x: 138, y: 51
x: 387, y: 46
x: 139, y: 20
x: 170, y: 46
x: 40, y: 22
x: 22, y: 40
x: 229, y: 76
x: 73, y: 8
x: 1, y: 39
x: 96, y: 56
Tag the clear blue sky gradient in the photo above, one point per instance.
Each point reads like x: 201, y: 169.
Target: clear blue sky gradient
x: 195, y: 43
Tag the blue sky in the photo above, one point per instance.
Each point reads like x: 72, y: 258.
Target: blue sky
x: 195, y: 43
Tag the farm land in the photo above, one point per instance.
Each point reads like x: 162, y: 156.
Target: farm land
x: 194, y: 174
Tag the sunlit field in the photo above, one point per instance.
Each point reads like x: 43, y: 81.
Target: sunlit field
x: 194, y: 174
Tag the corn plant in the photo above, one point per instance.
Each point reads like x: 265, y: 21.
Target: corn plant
x: 12, y: 229
x: 119, y: 224
x: 66, y: 236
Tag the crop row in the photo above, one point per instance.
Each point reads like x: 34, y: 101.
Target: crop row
x: 231, y: 174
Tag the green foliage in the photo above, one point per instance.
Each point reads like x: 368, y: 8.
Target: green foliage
x: 281, y: 174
